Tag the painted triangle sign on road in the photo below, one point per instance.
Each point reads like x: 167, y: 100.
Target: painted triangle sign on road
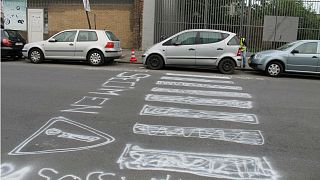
x: 60, y: 134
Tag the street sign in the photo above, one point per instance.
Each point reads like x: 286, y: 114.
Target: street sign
x: 86, y: 5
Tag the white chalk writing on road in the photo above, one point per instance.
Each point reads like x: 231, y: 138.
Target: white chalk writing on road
x: 201, y: 164
x: 198, y: 114
x: 199, y: 101
x: 202, y: 93
x: 252, y: 137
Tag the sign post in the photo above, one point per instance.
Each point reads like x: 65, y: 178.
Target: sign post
x: 86, y: 6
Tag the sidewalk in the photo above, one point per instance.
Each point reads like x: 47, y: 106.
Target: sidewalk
x: 126, y: 54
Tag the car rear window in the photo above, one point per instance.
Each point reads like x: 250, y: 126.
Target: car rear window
x: 234, y: 41
x: 111, y: 36
x: 10, y: 33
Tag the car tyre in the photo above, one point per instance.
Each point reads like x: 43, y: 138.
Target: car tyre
x: 36, y: 56
x: 274, y: 69
x: 95, y: 58
x: 226, y: 66
x: 155, y: 62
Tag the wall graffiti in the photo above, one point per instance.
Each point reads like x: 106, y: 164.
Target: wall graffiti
x: 149, y: 110
x: 252, y: 137
x: 202, y: 93
x: 208, y: 165
x: 9, y: 172
x: 199, y: 101
x: 58, y: 131
x: 197, y: 85
x: 196, y: 80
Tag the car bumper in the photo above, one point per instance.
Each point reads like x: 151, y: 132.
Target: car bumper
x: 10, y: 51
x: 113, y: 54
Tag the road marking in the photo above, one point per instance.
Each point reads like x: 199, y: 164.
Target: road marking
x: 58, y: 130
x: 203, y: 93
x: 199, y: 101
x: 242, y: 136
x: 185, y: 84
x: 196, y: 80
x: 199, y: 76
x: 201, y: 164
x: 148, y: 110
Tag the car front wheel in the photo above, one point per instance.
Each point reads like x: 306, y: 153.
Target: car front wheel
x: 95, y: 58
x: 35, y: 56
x: 274, y: 69
x: 226, y: 66
x: 155, y: 61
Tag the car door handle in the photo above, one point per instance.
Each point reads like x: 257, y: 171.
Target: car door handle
x: 220, y: 49
x: 71, y: 44
x: 191, y: 49
x: 314, y: 57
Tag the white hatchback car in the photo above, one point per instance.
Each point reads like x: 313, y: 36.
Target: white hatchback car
x: 196, y: 47
x: 95, y: 46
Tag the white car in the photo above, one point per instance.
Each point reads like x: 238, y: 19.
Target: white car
x: 95, y: 46
x: 196, y: 47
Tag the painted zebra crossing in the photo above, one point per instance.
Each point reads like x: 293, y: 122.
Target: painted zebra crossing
x: 229, y: 166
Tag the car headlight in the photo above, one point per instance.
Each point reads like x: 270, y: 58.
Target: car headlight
x: 258, y: 56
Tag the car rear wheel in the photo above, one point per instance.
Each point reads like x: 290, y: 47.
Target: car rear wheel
x: 274, y: 69
x: 226, y: 66
x: 36, y: 56
x: 155, y: 61
x: 95, y: 58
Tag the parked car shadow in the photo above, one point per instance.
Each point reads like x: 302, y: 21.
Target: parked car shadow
x: 287, y: 75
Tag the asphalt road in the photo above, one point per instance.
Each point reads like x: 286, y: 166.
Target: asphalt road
x: 123, y: 122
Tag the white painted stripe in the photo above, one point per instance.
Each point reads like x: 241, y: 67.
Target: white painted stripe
x: 243, y: 136
x: 198, y: 114
x: 196, y: 80
x: 202, y: 93
x: 185, y: 84
x: 199, y: 101
x: 199, y: 76
x: 202, y: 164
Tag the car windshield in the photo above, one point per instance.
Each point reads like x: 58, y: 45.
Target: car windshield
x: 111, y: 36
x: 287, y: 46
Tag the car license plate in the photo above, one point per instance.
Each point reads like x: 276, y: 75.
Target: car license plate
x: 19, y: 44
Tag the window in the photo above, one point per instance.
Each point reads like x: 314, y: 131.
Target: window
x: 111, y: 36
x: 67, y: 36
x: 211, y: 37
x: 187, y: 38
x: 308, y: 48
x: 234, y: 41
x: 87, y: 36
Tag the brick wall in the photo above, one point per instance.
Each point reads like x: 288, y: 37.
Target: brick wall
x: 122, y: 19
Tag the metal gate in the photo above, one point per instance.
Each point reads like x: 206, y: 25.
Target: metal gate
x: 265, y: 23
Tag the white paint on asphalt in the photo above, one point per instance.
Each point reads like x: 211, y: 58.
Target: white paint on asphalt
x: 202, y: 93
x: 45, y: 134
x: 199, y: 101
x: 10, y: 172
x: 242, y: 136
x: 196, y: 80
x: 148, y: 110
x: 197, y: 85
x: 201, y: 164
x: 199, y: 76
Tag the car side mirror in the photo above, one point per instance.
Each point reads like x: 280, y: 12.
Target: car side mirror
x: 294, y: 51
x: 52, y: 40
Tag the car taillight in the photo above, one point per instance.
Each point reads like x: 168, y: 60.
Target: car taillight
x: 239, y: 52
x: 110, y: 45
x: 6, y: 42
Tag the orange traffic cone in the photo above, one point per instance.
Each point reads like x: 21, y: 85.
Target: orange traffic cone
x: 133, y: 56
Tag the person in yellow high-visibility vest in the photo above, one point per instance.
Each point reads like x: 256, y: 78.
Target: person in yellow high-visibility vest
x: 243, y: 49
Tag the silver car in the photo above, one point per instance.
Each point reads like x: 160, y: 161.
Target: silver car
x: 196, y: 47
x: 300, y: 57
x: 95, y: 46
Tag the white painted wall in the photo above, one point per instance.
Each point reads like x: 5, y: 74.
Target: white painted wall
x: 148, y: 24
